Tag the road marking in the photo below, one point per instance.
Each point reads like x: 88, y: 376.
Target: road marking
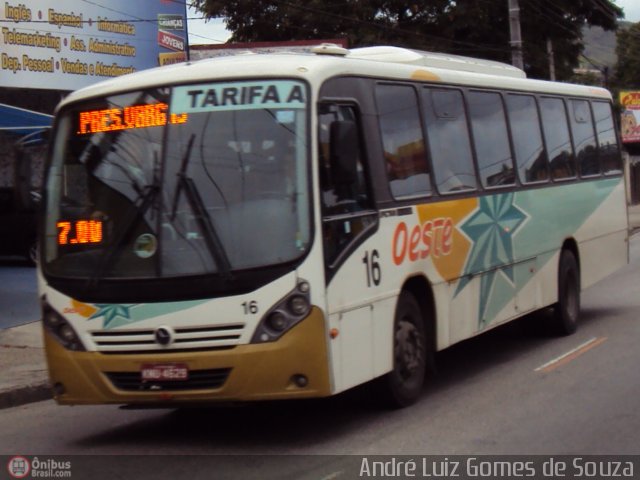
x: 571, y: 355
x: 333, y: 475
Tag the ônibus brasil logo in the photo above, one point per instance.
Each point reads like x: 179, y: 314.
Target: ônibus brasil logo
x: 19, y: 467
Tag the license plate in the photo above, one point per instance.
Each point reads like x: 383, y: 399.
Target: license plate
x: 164, y: 372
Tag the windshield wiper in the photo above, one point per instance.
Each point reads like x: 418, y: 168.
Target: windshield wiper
x: 186, y: 157
x: 211, y: 238
x: 140, y: 206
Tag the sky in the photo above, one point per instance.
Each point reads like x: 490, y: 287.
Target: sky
x: 631, y: 9
x: 205, y: 31
x: 213, y: 31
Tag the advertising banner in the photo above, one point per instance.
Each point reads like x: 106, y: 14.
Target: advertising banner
x: 67, y: 44
x: 630, y: 121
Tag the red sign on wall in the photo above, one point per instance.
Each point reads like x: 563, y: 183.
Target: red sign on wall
x: 170, y: 41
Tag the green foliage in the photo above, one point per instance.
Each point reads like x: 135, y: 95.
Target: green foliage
x: 628, y: 50
x: 465, y: 27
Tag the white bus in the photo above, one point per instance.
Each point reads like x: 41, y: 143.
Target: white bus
x: 293, y: 225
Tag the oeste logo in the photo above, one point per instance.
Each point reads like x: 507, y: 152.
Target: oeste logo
x: 431, y: 238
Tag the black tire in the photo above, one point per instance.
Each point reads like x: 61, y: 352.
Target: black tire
x: 566, y: 312
x: 403, y: 385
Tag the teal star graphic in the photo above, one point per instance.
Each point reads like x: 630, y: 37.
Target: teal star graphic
x: 491, y: 229
x: 110, y: 312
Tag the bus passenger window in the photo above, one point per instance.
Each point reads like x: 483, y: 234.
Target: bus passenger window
x: 556, y: 132
x: 490, y: 138
x: 448, y: 138
x: 584, y: 138
x: 524, y: 120
x: 609, y: 150
x: 402, y: 139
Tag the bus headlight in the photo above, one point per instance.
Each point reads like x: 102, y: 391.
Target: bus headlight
x: 277, y: 321
x: 289, y: 311
x: 299, y: 305
x: 61, y: 330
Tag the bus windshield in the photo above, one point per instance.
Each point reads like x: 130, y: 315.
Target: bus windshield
x: 183, y: 181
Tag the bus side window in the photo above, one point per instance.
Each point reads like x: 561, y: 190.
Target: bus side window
x: 584, y: 137
x: 556, y: 133
x: 608, y: 148
x: 403, y: 142
x: 491, y: 140
x: 448, y: 137
x: 524, y: 120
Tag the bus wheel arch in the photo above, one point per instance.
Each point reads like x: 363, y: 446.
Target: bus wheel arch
x: 413, y: 342
x: 566, y: 311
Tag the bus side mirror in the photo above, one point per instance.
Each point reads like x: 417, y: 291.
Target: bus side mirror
x: 343, y: 152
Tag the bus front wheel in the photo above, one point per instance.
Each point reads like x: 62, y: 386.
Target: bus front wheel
x: 403, y: 385
x: 567, y: 310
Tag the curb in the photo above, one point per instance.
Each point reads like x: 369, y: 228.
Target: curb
x: 24, y: 395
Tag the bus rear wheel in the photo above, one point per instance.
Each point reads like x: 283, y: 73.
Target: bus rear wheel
x: 567, y: 311
x: 403, y: 385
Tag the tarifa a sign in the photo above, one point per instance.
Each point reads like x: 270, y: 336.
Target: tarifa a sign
x: 630, y: 120
x: 67, y: 44
x: 238, y: 96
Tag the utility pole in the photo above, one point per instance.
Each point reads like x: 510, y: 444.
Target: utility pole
x: 516, y: 35
x: 552, y: 63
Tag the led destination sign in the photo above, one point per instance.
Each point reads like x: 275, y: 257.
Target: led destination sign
x: 73, y: 232
x: 135, y: 116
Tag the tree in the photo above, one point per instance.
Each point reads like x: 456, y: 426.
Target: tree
x: 465, y: 27
x: 561, y: 22
x: 627, y: 74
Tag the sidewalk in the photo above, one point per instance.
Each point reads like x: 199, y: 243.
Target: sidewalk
x: 24, y: 373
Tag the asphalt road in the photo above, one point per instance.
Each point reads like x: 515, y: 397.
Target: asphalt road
x: 511, y: 391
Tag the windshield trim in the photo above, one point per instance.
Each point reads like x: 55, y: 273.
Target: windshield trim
x: 182, y: 286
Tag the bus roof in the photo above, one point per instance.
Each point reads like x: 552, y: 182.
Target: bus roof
x: 436, y: 60
x: 324, y: 62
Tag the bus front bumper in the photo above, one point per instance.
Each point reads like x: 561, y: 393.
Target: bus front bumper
x: 244, y: 373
